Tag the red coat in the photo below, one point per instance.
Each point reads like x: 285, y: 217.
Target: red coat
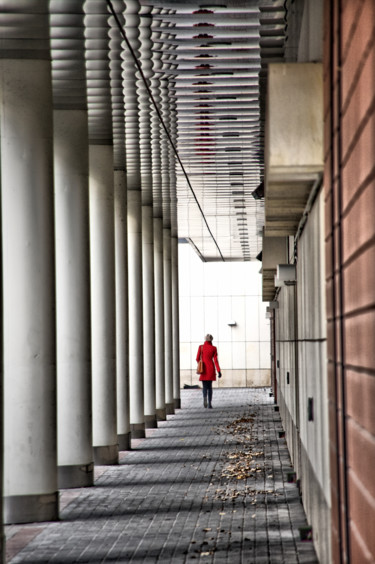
x: 210, y: 360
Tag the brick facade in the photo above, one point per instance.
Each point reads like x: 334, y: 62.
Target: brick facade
x: 349, y: 80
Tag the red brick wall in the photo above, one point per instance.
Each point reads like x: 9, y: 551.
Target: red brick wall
x: 349, y: 82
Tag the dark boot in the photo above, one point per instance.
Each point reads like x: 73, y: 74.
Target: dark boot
x: 210, y: 398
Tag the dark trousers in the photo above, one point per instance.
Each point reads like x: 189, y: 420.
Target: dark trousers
x: 207, y: 390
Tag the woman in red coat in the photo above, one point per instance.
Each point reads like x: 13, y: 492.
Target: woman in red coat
x: 210, y: 362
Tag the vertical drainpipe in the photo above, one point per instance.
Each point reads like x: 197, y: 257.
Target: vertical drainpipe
x: 333, y: 263
x: 333, y: 260
x: 343, y: 422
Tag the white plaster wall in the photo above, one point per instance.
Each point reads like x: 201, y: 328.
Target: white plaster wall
x: 211, y: 295
x: 312, y: 342
x: 307, y: 440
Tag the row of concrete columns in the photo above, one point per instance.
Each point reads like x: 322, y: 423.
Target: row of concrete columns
x: 90, y: 290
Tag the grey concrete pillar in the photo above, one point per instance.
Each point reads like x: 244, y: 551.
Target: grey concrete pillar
x: 147, y: 221
x: 159, y: 319
x: 103, y: 332
x: 122, y: 332
x: 158, y: 230
x: 175, y: 325
x: 30, y: 438
x: 168, y: 330
x: 73, y: 320
x: 148, y: 316
x: 137, y: 422
x: 166, y: 190
x: 121, y: 244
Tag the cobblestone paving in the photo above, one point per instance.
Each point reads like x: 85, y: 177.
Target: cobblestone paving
x: 207, y: 486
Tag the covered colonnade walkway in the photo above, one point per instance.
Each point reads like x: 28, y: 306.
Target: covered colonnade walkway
x: 245, y: 128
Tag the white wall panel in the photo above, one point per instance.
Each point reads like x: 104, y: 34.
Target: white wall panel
x: 264, y: 354
x: 211, y: 280
x: 239, y: 316
x: 184, y: 270
x: 196, y: 279
x: 196, y: 318
x: 210, y: 317
x: 238, y: 280
x: 225, y: 353
x: 224, y: 281
x: 187, y: 354
x: 252, y: 318
x: 239, y: 355
x: 185, y: 324
x: 252, y: 354
x: 253, y: 280
x: 225, y: 315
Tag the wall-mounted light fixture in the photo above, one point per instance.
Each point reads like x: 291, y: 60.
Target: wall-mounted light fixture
x: 232, y: 323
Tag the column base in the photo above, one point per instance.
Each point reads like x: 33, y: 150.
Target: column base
x: 124, y: 441
x: 2, y: 545
x: 31, y: 508
x: 177, y: 403
x: 161, y: 414
x: 150, y: 422
x: 169, y: 407
x: 106, y: 455
x: 75, y: 476
x: 137, y: 431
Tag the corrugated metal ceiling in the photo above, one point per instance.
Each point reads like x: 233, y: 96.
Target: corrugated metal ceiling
x: 205, y: 65
x: 214, y: 56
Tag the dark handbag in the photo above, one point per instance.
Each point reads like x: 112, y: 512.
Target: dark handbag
x: 200, y: 366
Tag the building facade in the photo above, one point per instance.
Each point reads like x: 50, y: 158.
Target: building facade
x: 323, y: 318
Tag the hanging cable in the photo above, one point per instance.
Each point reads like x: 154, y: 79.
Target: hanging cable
x: 138, y: 65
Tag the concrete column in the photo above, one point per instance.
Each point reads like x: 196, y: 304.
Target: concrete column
x: 168, y: 336
x: 158, y: 233
x: 147, y: 220
x: 137, y: 425
x: 175, y: 326
x: 148, y: 317
x: 122, y: 331
x: 73, y: 320
x: 121, y: 244
x: 174, y: 249
x: 166, y: 189
x: 30, y: 438
x: 103, y: 332
x: 133, y: 168
x: 159, y: 320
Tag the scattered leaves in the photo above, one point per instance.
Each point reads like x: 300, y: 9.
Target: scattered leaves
x: 244, y: 463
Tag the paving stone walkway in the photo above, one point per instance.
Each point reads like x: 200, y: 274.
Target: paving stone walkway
x: 207, y: 486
